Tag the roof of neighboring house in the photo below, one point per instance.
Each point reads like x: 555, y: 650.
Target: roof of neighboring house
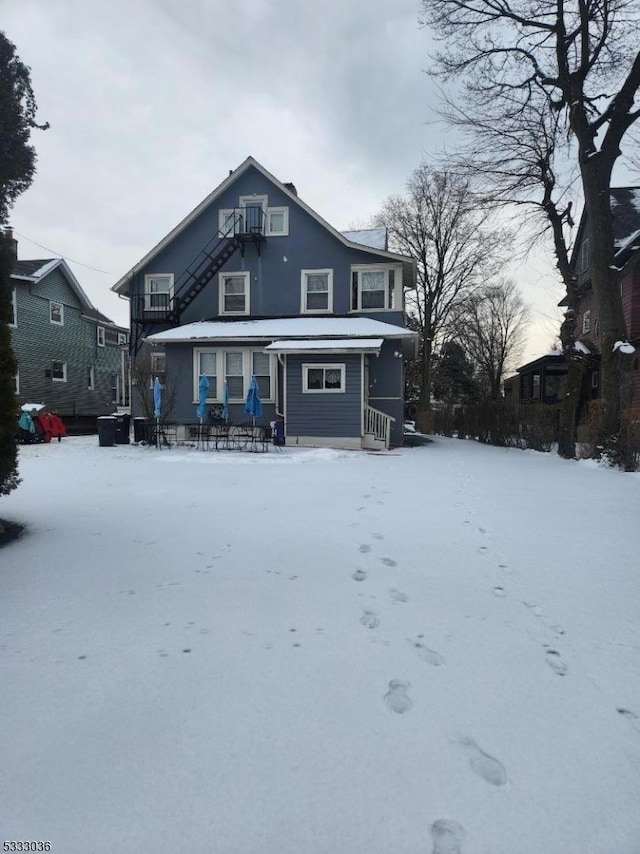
x: 122, y: 285
x: 34, y: 270
x: 553, y: 357
x: 625, y: 210
x: 376, y: 238
x: 30, y: 269
x: 281, y: 328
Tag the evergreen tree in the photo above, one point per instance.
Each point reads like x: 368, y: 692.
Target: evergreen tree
x: 17, y: 168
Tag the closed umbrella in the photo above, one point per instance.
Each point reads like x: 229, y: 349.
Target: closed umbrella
x: 201, y: 411
x: 253, y: 404
x: 157, y: 407
x: 225, y: 401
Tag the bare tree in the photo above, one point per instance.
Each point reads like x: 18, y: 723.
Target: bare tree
x: 142, y: 381
x: 577, y: 61
x: 492, y: 330
x: 439, y: 223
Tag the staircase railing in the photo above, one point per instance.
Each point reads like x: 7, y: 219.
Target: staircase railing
x: 378, y: 424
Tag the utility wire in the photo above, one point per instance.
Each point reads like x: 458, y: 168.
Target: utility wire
x: 61, y: 255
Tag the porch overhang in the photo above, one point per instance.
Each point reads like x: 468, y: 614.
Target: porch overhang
x: 322, y: 346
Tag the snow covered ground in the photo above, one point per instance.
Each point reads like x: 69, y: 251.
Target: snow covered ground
x: 320, y: 652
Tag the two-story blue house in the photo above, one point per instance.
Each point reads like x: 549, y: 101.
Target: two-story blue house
x: 253, y: 282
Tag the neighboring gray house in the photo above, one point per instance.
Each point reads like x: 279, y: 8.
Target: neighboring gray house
x: 254, y: 282
x: 70, y: 356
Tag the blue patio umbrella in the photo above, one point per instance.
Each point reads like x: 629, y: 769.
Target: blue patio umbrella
x: 203, y: 388
x: 157, y: 407
x: 253, y: 404
x: 225, y: 401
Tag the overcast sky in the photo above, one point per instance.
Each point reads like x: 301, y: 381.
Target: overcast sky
x: 151, y: 102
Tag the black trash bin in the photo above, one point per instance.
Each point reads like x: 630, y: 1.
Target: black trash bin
x: 106, y: 431
x: 278, y: 433
x: 139, y: 429
x: 123, y: 423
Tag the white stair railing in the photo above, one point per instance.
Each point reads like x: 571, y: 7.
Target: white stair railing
x: 378, y: 424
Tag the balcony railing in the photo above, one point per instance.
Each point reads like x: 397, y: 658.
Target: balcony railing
x: 247, y: 221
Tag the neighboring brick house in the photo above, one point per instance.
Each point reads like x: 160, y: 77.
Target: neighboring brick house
x: 625, y: 209
x: 71, y: 357
x: 253, y: 282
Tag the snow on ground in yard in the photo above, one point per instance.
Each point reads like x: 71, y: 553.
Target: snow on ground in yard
x: 431, y: 651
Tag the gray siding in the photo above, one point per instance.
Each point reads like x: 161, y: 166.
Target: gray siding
x: 179, y: 383
x: 275, y: 289
x: 37, y: 343
x: 386, y: 386
x: 324, y: 414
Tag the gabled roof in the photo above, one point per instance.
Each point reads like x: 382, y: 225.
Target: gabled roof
x: 287, y: 328
x: 625, y: 219
x: 122, y: 285
x: 35, y: 270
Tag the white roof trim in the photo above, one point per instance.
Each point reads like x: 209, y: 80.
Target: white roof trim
x: 321, y: 345
x: 120, y: 285
x: 49, y: 267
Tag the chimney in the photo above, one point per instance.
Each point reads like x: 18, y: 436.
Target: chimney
x: 291, y: 187
x: 8, y: 235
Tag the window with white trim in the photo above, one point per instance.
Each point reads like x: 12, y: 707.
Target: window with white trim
x: 59, y: 372
x: 122, y: 338
x: 158, y: 291
x: 234, y: 293
x: 115, y: 389
x: 17, y: 382
x: 91, y: 377
x: 586, y: 322
x: 235, y: 366
x: 323, y: 379
x: 277, y: 222
x: 56, y: 313
x: 159, y: 366
x: 13, y: 320
x: 227, y: 220
x: 317, y: 291
x: 254, y: 213
x: 261, y: 370
x: 100, y: 335
x: 234, y: 374
x: 374, y: 288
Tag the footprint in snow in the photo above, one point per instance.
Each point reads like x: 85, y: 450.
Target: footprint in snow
x: 447, y: 836
x: 370, y: 619
x: 377, y: 536
x: 364, y: 548
x: 398, y: 595
x: 389, y: 561
x: 397, y: 698
x: 359, y: 575
x: 429, y: 655
x: 552, y: 657
x: 484, y: 765
x: 499, y: 592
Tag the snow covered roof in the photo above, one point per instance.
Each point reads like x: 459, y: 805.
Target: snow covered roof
x: 322, y: 345
x: 281, y: 328
x: 376, y: 238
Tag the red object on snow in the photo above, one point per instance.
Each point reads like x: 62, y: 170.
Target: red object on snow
x: 50, y: 425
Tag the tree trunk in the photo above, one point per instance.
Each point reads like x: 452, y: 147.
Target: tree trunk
x: 604, y: 281
x: 424, y: 398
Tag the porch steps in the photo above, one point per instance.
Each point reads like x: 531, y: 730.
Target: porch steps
x: 377, y: 429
